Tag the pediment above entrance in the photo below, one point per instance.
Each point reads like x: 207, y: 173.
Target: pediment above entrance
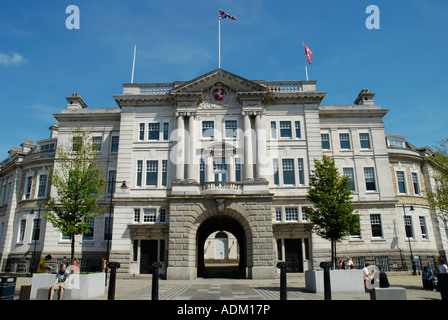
x: 218, y: 76
x: 217, y: 89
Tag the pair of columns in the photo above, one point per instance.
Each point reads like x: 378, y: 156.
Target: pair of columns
x: 181, y: 156
x: 260, y: 158
x: 259, y: 134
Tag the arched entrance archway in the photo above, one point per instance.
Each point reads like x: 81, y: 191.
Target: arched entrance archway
x: 222, y: 223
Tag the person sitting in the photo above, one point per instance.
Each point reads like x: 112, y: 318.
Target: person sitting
x: 60, y: 282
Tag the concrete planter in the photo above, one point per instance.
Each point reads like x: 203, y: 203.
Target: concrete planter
x: 81, y: 286
x: 349, y: 281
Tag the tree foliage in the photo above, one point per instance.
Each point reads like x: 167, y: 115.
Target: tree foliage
x: 332, y: 215
x: 79, y: 182
x: 439, y: 163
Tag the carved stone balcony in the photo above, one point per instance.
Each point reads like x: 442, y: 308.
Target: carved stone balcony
x: 221, y: 187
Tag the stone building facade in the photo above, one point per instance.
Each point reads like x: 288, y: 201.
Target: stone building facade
x: 221, y: 153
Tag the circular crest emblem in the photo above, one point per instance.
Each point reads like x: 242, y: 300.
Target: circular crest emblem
x: 218, y: 94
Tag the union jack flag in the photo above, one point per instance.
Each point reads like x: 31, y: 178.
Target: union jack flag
x: 223, y: 15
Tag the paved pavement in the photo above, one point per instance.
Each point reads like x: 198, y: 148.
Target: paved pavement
x: 242, y: 289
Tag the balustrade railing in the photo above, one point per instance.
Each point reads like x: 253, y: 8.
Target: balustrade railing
x: 284, y: 86
x: 156, y: 88
x: 221, y: 185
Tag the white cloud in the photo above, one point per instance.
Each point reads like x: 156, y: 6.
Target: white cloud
x: 11, y: 60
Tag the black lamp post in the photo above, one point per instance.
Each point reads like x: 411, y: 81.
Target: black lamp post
x: 414, y: 271
x: 35, y: 240
x: 112, y: 191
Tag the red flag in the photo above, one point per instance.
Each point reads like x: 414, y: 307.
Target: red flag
x: 308, y: 53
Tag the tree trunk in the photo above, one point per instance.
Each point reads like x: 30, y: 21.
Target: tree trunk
x: 72, y: 254
x: 332, y: 253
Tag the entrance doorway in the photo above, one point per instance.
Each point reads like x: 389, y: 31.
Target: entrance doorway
x: 294, y: 254
x: 150, y: 252
x: 221, y: 267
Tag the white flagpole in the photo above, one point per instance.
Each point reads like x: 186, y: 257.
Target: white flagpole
x: 304, y: 57
x: 219, y: 45
x: 133, y: 64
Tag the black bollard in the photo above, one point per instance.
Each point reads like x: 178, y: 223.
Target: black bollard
x: 155, y: 280
x: 113, y: 266
x: 327, y: 285
x: 283, y: 287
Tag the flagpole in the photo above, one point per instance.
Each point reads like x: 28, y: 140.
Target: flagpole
x: 133, y: 64
x: 304, y: 58
x: 219, y: 45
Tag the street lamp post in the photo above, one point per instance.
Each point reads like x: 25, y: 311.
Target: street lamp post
x: 35, y: 240
x: 109, y: 227
x: 414, y: 272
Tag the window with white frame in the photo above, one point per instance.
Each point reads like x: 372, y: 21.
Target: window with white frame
x: 408, y: 226
x: 401, y: 182
x: 153, y: 131
x: 108, y: 223
x: 415, y: 183
x: 163, y: 215
x: 137, y: 215
x: 375, y: 223
x: 149, y: 215
x: 22, y: 229
x: 151, y: 172
x: 369, y: 175
x: 208, y: 129
x: 166, y: 131
x: 364, y: 138
x: 115, y: 140
x: 141, y: 134
x: 304, y: 216
x: 28, y: 185
x: 276, y: 172
x: 238, y: 171
x: 139, y: 179
x: 164, y: 172
x: 325, y: 138
x: 88, y: 236
x: 112, y: 176
x: 298, y: 130
x: 423, y: 227
x: 97, y: 143
x: 301, y: 168
x: 285, y: 129
x: 344, y: 139
x: 288, y: 172
x: 291, y: 214
x: 36, y: 230
x: 278, y: 214
x: 42, y: 190
x: 348, y: 172
x: 273, y: 130
x: 231, y: 128
x: 201, y: 170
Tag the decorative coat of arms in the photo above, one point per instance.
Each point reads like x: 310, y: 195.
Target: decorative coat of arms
x: 219, y: 96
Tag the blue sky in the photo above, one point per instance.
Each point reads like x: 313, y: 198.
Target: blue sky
x: 404, y: 62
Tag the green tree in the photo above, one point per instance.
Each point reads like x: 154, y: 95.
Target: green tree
x: 439, y: 163
x: 79, y: 182
x: 332, y: 215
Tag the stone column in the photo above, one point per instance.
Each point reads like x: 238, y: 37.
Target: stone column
x: 230, y: 167
x: 260, y: 133
x: 209, y: 168
x: 180, y: 159
x: 248, y: 157
x: 191, y: 166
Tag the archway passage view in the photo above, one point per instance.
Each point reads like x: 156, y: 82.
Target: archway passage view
x: 221, y: 248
